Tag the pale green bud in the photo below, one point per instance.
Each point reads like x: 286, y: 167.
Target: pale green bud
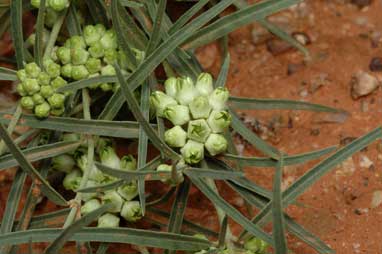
x: 22, y: 75
x: 58, y: 5
x: 106, y: 87
x: 72, y: 180
x: 175, y: 137
x: 256, y: 245
x: 90, y: 206
x: 79, y: 72
x: 53, y: 54
x: 64, y: 163
x: 20, y: 89
x: 95, y: 174
x: 43, y: 79
x: 58, y: 82
x: 109, y: 158
x: 192, y: 152
x: 91, y: 195
x: 57, y: 111
x: 128, y: 191
x: 108, y: 220
x: 168, y: 178
x: 76, y: 42
x: 160, y: 101
x: 170, y: 86
x: 71, y: 137
x: 115, y: 199
x: 31, y: 86
x: 198, y: 130
x: 32, y: 70
x: 42, y: 110
x: 109, y: 40
x: 139, y: 55
x: 38, y: 99
x: 185, y: 91
x: 108, y: 70
x: 52, y: 68
x: 219, y: 121
x: 100, y: 29
x: 177, y: 114
x: 111, y: 55
x: 50, y: 17
x: 204, y: 84
x: 36, y: 3
x: 128, y: 163
x: 91, y: 35
x: 46, y: 91
x: 200, y: 107
x: 96, y: 50
x: 103, y: 142
x: 66, y: 70
x: 79, y: 56
x: 93, y: 65
x: 57, y: 100
x: 27, y: 102
x: 63, y: 53
x: 219, y: 98
x: 215, y: 144
x: 131, y: 211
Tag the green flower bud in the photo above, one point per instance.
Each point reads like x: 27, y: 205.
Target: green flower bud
x: 204, y: 84
x: 256, y: 245
x: 31, y: 86
x: 100, y: 29
x: 139, y: 55
x: 115, y: 199
x: 109, y: 158
x: 108, y: 70
x: 79, y: 72
x: 38, y: 99
x: 50, y: 16
x: 90, y: 206
x: 93, y: 65
x: 52, y: 68
x: 58, y: 82
x: 106, y: 87
x: 128, y: 191
x: 90, y: 195
x: 200, y: 107
x: 79, y: 56
x: 91, y: 35
x: 72, y: 180
x: 71, y: 137
x: 20, y: 89
x: 22, y: 75
x: 63, y: 163
x: 27, y: 102
x: 192, y: 152
x: 103, y: 143
x: 76, y: 42
x: 123, y: 61
x: 32, y: 70
x: 168, y: 178
x: 96, y: 50
x: 108, y: 220
x: 219, y: 121
x: 219, y: 98
x: 63, y: 53
x: 57, y: 100
x: 43, y: 79
x: 66, y: 70
x: 35, y: 3
x: 177, y: 114
x: 131, y: 211
x: 185, y: 91
x: 111, y: 55
x: 31, y: 39
x: 46, y: 91
x: 198, y: 130
x: 215, y: 144
x: 160, y: 101
x: 57, y: 111
x: 95, y: 174
x: 58, y: 5
x: 109, y: 40
x: 42, y: 110
x: 175, y: 137
x: 170, y: 86
x: 53, y: 54
x: 128, y: 163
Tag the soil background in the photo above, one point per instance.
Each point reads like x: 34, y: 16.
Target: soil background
x: 344, y: 207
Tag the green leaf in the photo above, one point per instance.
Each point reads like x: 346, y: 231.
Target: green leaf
x: 7, y: 74
x: 223, y: 232
x: 72, y: 22
x: 39, y: 153
x: 250, y: 103
x: 163, y: 199
x: 51, y: 193
x: 47, y: 219
x: 231, y: 22
x: 213, y: 174
x: 157, y: 27
x: 222, y: 78
x: 102, y: 187
x: 98, y: 11
x: 85, y: 83
x: 111, y: 235
x: 278, y: 221
x: 288, y: 160
x: 39, y: 46
x: 17, y: 31
x: 68, y: 232
x: 131, y: 4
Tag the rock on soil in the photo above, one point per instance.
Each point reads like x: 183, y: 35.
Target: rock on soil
x: 363, y: 84
x: 376, y: 64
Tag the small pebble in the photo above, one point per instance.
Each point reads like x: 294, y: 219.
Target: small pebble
x: 302, y: 38
x: 376, y: 199
x: 365, y: 162
x: 376, y: 64
x: 277, y: 47
x: 362, y: 84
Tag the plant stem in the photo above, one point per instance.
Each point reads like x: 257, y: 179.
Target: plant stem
x: 12, y: 125
x: 54, y: 34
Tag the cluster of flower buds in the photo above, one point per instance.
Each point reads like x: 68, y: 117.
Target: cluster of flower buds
x: 255, y: 246
x: 38, y: 89
x: 198, y: 113
x: 122, y: 198
x: 56, y: 5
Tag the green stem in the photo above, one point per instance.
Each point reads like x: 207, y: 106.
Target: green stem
x: 54, y: 34
x: 12, y: 125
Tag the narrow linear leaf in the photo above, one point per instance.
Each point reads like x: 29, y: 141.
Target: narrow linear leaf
x: 222, y: 78
x: 51, y: 193
x: 72, y: 22
x: 156, y: 31
x: 85, y: 83
x: 223, y: 232
x: 38, y: 47
x: 131, y: 4
x: 102, y: 187
x: 7, y: 74
x: 213, y: 174
x: 17, y: 31
x: 98, y: 11
x: 44, y: 220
